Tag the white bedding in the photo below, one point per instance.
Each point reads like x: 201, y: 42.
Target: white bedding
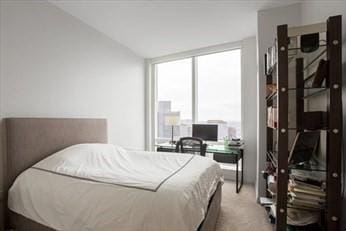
x: 112, y: 164
x: 66, y: 192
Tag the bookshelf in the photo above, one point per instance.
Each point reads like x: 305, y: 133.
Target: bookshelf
x: 304, y: 109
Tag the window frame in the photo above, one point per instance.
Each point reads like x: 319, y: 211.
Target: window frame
x: 151, y: 85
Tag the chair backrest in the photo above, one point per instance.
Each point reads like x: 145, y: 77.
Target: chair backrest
x: 192, y: 145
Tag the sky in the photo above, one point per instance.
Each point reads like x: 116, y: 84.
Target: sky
x: 219, y: 89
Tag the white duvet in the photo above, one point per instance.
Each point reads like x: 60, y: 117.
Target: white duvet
x: 104, y: 187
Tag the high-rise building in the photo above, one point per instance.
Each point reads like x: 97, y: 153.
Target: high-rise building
x: 163, y: 107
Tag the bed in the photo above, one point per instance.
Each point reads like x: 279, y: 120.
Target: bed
x: 33, y: 140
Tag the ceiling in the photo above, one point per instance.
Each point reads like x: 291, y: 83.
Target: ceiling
x: 157, y: 28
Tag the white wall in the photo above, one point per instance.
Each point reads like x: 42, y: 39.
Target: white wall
x: 53, y: 65
x: 249, y: 110
x: 266, y: 32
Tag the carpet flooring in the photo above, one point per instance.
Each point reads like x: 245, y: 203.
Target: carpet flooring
x: 240, y: 212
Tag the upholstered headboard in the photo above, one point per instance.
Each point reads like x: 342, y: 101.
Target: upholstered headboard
x: 29, y: 140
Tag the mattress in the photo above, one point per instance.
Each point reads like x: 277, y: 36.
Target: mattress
x: 63, y: 200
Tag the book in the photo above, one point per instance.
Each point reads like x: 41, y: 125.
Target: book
x: 301, y: 207
x: 269, y: 116
x: 304, y: 196
x: 272, y: 115
x: 307, y: 191
x: 302, y: 184
x: 304, y: 192
x: 275, y: 117
x: 304, y: 203
x: 265, y: 201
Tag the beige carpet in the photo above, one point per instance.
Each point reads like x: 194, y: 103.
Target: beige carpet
x: 240, y: 212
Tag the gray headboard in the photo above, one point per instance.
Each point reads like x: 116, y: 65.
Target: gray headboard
x: 29, y: 140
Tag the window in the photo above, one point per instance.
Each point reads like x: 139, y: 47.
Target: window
x: 174, y: 92
x: 200, y: 89
x: 219, y: 92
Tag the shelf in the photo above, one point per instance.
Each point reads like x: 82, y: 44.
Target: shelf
x: 309, y: 167
x: 298, y: 48
x: 271, y: 127
x: 315, y: 92
x: 292, y: 128
x: 306, y: 208
x: 308, y: 92
x: 306, y: 88
x: 304, y: 129
x: 272, y: 156
x: 315, y: 55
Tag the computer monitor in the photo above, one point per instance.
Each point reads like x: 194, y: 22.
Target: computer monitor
x: 205, y: 131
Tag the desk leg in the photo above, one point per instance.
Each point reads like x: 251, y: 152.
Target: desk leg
x: 242, y: 168
x: 238, y: 187
x: 236, y: 176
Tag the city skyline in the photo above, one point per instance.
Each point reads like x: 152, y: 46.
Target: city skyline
x: 214, y: 88
x: 230, y: 129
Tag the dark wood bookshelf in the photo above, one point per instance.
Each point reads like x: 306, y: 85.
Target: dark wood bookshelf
x: 328, y: 121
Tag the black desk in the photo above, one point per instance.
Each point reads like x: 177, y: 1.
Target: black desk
x: 222, y: 154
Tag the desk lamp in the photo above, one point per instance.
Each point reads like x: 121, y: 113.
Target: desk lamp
x: 172, y: 119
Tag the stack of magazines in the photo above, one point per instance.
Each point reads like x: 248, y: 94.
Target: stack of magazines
x: 303, y: 195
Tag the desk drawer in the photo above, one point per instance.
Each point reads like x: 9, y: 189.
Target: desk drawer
x: 225, y: 158
x: 163, y: 149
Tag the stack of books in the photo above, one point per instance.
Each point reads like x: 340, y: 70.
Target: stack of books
x: 303, y: 195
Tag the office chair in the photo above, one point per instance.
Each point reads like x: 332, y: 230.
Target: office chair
x: 191, y: 145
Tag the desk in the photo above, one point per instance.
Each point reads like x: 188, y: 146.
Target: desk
x: 223, y: 154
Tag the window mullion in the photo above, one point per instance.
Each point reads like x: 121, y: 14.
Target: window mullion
x: 153, y: 106
x: 194, y: 90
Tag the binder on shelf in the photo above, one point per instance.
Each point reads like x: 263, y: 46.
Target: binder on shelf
x: 314, y: 120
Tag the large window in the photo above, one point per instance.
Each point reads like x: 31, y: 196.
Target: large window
x: 200, y: 89
x: 174, y: 93
x: 219, y: 92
